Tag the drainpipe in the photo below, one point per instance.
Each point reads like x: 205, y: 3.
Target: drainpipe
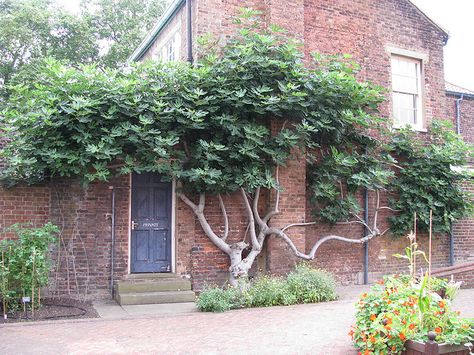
x: 366, y: 232
x: 458, y: 114
x: 189, y: 32
x: 458, y: 131
x: 112, y: 254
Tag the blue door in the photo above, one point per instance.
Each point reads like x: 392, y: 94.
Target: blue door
x: 151, y: 224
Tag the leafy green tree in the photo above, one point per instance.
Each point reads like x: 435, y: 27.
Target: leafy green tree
x: 34, y: 29
x: 121, y: 25
x: 105, y: 33
x: 223, y: 126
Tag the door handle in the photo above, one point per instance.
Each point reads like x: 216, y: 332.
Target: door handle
x: 134, y: 225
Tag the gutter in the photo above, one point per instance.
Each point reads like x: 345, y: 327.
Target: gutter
x: 458, y: 131
x: 169, y: 14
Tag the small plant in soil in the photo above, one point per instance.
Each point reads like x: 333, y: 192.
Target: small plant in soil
x: 24, y: 265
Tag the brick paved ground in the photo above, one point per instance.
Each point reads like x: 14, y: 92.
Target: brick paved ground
x: 305, y: 329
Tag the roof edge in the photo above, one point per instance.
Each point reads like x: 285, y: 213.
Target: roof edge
x: 167, y: 16
x: 457, y: 93
x: 434, y: 23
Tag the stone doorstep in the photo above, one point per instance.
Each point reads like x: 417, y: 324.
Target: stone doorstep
x: 155, y: 297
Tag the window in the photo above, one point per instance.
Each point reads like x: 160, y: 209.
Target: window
x: 406, y: 92
x: 170, y: 50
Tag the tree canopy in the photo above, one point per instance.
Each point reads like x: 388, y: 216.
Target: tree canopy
x: 227, y: 123
x: 105, y: 33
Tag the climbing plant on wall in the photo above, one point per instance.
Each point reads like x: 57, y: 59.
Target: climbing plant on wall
x: 222, y: 126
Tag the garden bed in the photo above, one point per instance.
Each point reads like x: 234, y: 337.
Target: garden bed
x: 54, y: 308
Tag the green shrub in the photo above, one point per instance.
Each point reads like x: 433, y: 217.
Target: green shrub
x: 216, y: 299
x: 310, y: 285
x: 303, y: 285
x: 25, y: 263
x: 265, y: 291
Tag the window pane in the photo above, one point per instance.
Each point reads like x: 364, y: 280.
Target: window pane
x: 404, y: 108
x: 405, y: 84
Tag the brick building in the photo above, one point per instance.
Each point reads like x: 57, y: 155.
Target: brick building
x: 391, y: 39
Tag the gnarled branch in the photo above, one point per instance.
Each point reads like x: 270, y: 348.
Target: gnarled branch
x: 253, y: 235
x: 226, y: 219
x: 199, y: 212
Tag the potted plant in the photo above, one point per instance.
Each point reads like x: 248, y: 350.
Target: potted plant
x: 404, y: 313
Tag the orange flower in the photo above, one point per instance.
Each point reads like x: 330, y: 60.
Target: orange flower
x: 402, y: 336
x: 372, y: 339
x: 396, y: 312
x: 412, y: 326
x: 389, y: 320
x: 394, y: 348
x: 388, y: 327
x: 465, y: 326
x: 458, y: 313
x: 351, y: 333
x: 381, y: 282
x: 373, y: 317
x: 441, y: 304
x: 389, y: 336
x: 364, y: 295
x: 388, y: 301
x: 438, y: 330
x: 404, y: 321
x: 367, y: 352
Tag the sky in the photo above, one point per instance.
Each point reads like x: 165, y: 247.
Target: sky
x: 454, y: 16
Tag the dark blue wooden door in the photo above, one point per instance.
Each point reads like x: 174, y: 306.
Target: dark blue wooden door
x: 151, y: 224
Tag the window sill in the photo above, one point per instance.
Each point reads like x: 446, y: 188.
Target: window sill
x: 413, y: 128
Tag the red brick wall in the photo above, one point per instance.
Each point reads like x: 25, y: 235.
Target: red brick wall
x: 364, y: 29
x: 24, y: 204
x: 83, y: 256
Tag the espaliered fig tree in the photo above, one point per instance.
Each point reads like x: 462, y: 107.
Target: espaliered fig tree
x: 225, y: 125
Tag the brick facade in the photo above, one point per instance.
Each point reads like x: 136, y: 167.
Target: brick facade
x: 369, y: 30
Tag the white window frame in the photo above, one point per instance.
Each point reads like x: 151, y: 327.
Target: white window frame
x: 419, y: 124
x: 169, y: 48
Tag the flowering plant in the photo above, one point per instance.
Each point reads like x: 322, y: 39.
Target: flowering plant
x: 397, y: 309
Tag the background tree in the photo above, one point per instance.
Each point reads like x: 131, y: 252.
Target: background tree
x: 120, y: 25
x: 209, y: 127
x: 34, y: 29
x: 106, y: 32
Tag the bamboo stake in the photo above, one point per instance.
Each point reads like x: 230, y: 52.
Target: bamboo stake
x: 33, y: 287
x: 429, y: 247
x: 414, y: 233
x: 3, y: 287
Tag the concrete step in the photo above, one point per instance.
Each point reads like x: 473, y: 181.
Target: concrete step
x: 155, y: 297
x: 153, y: 285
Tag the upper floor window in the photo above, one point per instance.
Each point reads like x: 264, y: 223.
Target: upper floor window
x: 170, y: 50
x: 406, y: 92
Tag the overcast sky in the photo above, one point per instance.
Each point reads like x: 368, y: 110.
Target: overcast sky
x: 455, y: 16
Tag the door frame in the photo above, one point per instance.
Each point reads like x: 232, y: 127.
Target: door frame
x: 172, y: 229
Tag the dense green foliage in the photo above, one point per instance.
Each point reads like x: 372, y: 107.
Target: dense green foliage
x: 429, y: 179
x: 303, y: 285
x: 25, y: 263
x: 227, y: 123
x: 105, y: 32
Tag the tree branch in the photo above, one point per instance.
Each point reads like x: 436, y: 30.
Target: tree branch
x: 253, y: 236
x: 261, y: 224
x: 226, y: 219
x: 314, y: 249
x: 276, y: 210
x: 199, y: 212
